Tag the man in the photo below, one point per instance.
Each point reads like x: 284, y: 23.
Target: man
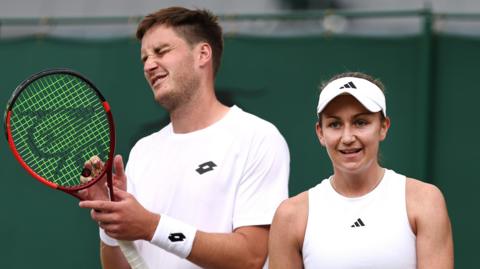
x: 203, y: 190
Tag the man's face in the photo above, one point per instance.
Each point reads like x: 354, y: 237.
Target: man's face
x: 169, y: 66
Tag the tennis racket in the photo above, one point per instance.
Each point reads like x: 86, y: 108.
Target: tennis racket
x: 55, y: 121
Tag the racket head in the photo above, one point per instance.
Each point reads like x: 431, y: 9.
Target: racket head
x: 55, y: 121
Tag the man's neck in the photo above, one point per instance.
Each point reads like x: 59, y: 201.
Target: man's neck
x: 202, y: 111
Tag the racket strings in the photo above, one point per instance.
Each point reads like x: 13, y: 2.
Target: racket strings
x: 58, y: 122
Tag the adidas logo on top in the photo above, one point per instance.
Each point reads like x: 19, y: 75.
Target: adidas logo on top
x: 348, y: 85
x: 358, y: 223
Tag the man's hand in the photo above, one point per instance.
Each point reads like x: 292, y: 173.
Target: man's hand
x: 124, y: 219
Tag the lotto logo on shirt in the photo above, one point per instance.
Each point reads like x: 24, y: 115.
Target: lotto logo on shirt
x: 205, y: 167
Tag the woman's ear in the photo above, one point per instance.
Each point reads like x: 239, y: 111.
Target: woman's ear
x: 384, y: 126
x: 319, y: 131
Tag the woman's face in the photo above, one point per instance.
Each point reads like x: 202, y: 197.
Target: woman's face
x: 351, y: 134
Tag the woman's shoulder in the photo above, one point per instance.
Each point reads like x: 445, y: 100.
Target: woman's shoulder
x: 291, y: 205
x: 425, y: 203
x: 291, y: 208
x: 291, y: 219
x: 418, y: 189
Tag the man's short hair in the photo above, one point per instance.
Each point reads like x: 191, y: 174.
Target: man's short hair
x: 193, y: 26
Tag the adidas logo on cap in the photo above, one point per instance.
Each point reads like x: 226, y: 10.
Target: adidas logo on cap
x: 348, y: 85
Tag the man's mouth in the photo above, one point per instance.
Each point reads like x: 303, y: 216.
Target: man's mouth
x: 157, y: 79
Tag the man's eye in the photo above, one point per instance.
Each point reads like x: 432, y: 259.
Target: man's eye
x: 160, y: 52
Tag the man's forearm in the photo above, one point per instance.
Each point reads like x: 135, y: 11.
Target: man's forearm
x: 244, y: 248
x: 112, y: 257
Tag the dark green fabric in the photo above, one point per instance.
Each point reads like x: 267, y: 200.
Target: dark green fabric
x: 276, y: 79
x: 455, y: 147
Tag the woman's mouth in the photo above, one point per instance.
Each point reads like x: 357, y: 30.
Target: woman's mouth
x: 350, y: 151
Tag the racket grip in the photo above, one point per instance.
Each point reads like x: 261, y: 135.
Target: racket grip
x: 131, y: 254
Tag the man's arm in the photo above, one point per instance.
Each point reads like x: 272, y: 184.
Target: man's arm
x: 246, y: 247
x: 112, y: 257
x: 126, y: 219
x: 287, y: 233
x: 432, y: 225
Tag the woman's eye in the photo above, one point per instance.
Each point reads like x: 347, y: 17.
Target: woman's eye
x: 334, y: 124
x: 361, y: 123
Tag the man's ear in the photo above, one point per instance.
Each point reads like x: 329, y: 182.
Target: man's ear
x: 319, y: 131
x: 204, y: 55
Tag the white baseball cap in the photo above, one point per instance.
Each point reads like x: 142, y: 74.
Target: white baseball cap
x: 366, y: 92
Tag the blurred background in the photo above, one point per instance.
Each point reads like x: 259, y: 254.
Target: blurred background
x: 277, y: 52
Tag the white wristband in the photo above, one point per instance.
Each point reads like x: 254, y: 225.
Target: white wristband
x: 174, y: 236
x: 107, y: 239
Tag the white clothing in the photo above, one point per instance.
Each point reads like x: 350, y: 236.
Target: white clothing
x: 233, y: 173
x: 371, y: 231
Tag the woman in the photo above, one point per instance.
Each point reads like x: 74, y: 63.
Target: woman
x: 364, y: 215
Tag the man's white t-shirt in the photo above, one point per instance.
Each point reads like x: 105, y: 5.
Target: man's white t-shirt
x: 231, y: 174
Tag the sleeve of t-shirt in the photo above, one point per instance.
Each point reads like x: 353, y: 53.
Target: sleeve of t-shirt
x: 264, y: 184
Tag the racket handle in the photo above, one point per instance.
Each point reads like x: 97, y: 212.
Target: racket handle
x: 131, y: 254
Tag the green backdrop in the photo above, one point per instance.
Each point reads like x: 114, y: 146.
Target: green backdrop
x: 432, y: 93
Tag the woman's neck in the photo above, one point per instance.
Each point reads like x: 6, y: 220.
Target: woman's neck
x: 356, y: 184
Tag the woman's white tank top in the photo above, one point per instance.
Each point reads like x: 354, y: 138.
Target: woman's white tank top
x: 371, y: 231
